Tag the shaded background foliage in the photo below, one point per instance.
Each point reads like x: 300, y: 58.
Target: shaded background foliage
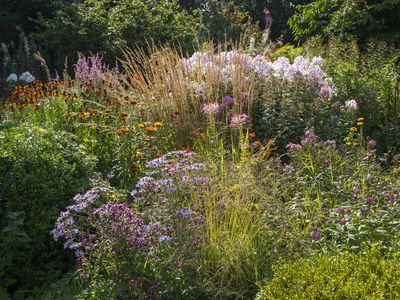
x: 61, y: 28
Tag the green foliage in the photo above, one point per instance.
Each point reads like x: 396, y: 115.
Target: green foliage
x: 288, y: 51
x: 107, y: 26
x: 347, y: 19
x: 345, y: 275
x: 370, y: 77
x: 40, y: 170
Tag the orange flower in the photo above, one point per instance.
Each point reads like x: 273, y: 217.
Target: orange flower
x: 159, y: 154
x: 157, y: 124
x: 256, y: 144
x: 123, y: 130
x: 194, y: 132
x: 203, y: 135
x: 150, y: 129
x: 133, y: 102
x: 252, y: 135
x: 360, y: 123
x: 360, y: 120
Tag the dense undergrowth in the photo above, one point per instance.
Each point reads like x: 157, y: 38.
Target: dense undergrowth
x: 223, y: 175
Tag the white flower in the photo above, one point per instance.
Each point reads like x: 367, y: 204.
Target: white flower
x: 27, y: 77
x: 317, y: 60
x: 351, y: 104
x: 12, y: 77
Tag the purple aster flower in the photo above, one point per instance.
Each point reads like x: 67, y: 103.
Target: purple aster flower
x: 339, y: 210
x: 382, y: 213
x: 343, y: 221
x: 288, y: 168
x: 185, y: 213
x: 370, y: 199
x: 364, y: 210
x: 165, y: 239
x: 291, y: 146
x: 391, y: 197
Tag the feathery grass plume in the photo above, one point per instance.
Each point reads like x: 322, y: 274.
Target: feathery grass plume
x: 174, y: 88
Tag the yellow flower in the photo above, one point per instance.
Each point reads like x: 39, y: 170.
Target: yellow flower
x: 360, y: 120
x: 360, y: 123
x: 158, y: 124
x: 141, y: 125
x: 353, y: 129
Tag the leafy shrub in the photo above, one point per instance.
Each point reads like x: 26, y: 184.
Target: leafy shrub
x: 107, y: 26
x: 345, y: 275
x: 369, y: 76
x: 348, y: 19
x: 40, y: 170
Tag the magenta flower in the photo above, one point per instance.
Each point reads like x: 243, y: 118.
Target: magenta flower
x: 314, y: 235
x: 211, y: 108
x: 291, y: 146
x: 343, y: 221
x: 239, y: 119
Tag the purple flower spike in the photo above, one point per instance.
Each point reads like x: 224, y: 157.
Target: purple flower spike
x: 339, y: 210
x: 343, y: 221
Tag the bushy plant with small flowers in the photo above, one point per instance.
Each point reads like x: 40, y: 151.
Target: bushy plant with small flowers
x: 115, y: 129
x: 137, y: 247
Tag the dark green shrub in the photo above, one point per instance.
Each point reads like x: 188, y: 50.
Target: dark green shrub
x: 106, y: 26
x: 40, y: 171
x: 343, y: 276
